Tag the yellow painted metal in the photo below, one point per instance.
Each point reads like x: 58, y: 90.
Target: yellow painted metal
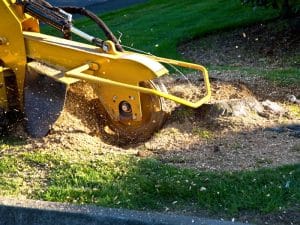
x: 117, y: 75
x: 78, y: 74
x: 12, y: 52
x: 200, y: 68
x: 128, y: 68
x: 3, y: 96
x: 52, y: 72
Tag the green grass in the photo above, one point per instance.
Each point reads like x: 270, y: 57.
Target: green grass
x: 282, y: 76
x: 159, y: 26
x: 203, y: 133
x: 127, y: 182
x: 9, y: 142
x: 148, y: 184
x: 9, y: 182
x: 295, y: 110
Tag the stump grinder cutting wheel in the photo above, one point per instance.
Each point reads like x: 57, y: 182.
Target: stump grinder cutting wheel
x: 36, y: 70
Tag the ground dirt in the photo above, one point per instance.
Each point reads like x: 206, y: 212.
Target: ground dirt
x: 193, y: 138
x: 272, y: 45
x: 190, y: 138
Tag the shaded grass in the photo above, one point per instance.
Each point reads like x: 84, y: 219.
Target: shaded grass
x: 159, y: 26
x: 128, y: 182
x: 282, y: 76
x: 9, y: 142
x: 149, y: 184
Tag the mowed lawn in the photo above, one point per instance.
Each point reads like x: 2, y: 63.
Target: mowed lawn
x: 147, y: 184
x: 160, y: 25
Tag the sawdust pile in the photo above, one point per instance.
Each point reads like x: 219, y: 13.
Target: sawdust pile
x: 216, y: 142
x: 82, y: 122
x: 77, y: 127
x: 214, y: 137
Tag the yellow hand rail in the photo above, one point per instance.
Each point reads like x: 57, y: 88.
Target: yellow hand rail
x: 78, y: 74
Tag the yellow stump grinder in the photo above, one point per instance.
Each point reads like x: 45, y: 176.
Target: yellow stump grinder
x: 36, y: 70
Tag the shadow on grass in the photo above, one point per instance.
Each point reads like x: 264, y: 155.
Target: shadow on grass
x: 11, y: 141
x: 150, y: 185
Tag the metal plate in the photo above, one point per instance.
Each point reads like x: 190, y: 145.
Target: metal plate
x: 44, y: 99
x: 128, y: 132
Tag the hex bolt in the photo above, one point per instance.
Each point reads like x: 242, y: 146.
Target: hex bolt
x: 105, y: 47
x: 134, y: 117
x: 3, y: 41
x: 94, y: 66
x: 126, y: 107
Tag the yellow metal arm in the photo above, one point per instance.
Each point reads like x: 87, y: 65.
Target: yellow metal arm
x: 78, y: 74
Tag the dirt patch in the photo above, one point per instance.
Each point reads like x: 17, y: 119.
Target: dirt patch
x: 270, y: 45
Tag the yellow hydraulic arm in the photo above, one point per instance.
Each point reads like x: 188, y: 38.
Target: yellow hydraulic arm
x: 121, y: 79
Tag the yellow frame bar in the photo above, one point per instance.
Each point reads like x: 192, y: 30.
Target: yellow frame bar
x: 77, y: 73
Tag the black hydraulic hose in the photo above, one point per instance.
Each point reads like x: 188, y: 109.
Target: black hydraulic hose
x: 50, y: 15
x: 61, y: 23
x: 84, y: 12
x: 44, y: 3
x: 47, y: 15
